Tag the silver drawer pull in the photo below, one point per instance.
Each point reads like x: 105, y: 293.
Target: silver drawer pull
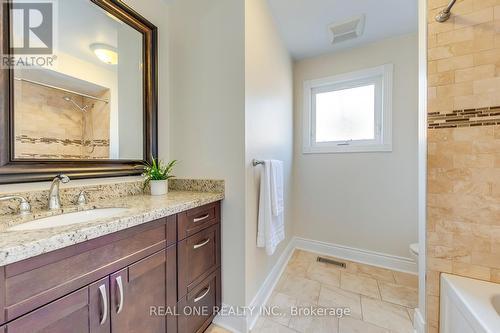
x: 104, y: 301
x: 199, y: 298
x: 120, y: 289
x: 201, y: 218
x: 205, y: 242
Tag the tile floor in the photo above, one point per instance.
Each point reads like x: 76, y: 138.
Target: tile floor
x: 380, y: 300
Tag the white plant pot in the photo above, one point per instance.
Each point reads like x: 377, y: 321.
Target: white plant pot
x: 158, y: 187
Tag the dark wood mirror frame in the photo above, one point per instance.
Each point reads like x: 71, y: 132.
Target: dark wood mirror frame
x: 23, y: 170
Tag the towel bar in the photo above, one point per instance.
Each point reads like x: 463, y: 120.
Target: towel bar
x: 257, y: 162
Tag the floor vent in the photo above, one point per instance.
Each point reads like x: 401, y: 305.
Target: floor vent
x: 331, y: 262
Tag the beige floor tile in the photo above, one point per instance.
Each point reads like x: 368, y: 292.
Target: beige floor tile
x: 300, y: 288
x: 351, y: 325
x: 281, y: 281
x: 387, y: 315
x: 338, y: 298
x: 282, y: 305
x: 406, y: 279
x: 304, y: 255
x: 265, y: 325
x: 359, y: 284
x: 324, y: 273
x: 307, y: 322
x: 411, y: 313
x: 299, y: 263
x: 398, y: 294
x: 216, y: 329
x: 377, y: 273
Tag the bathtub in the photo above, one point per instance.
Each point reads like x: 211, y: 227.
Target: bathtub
x: 469, y: 306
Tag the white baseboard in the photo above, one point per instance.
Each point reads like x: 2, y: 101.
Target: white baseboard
x: 363, y: 256
x: 419, y: 322
x: 260, y: 299
x: 243, y: 324
x: 235, y: 324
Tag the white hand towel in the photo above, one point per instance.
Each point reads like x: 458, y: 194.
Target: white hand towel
x: 277, y: 187
x: 271, y: 227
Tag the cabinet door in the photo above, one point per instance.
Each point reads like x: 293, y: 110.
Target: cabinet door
x: 68, y: 314
x: 171, y: 284
x: 136, y: 291
x: 99, y: 307
x: 83, y: 311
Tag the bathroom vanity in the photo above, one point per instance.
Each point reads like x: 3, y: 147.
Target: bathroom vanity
x: 140, y: 272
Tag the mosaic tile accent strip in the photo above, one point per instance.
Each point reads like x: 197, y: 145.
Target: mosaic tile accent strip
x: 465, y: 118
x: 64, y: 142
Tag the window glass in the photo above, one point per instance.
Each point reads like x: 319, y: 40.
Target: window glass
x: 346, y: 114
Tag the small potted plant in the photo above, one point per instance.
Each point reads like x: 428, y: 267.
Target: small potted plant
x: 157, y: 174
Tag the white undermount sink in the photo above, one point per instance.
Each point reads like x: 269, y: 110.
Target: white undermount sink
x: 69, y: 219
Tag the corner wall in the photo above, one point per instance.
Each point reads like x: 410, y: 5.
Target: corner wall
x: 463, y: 205
x: 268, y: 129
x: 207, y: 132
x: 330, y: 189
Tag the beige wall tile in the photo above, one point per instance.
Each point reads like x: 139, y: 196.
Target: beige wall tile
x: 473, y: 271
x: 477, y: 17
x: 455, y: 36
x: 458, y: 62
x: 475, y: 73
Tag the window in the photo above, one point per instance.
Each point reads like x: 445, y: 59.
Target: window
x: 349, y: 112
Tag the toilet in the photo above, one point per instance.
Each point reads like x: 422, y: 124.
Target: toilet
x: 414, y: 251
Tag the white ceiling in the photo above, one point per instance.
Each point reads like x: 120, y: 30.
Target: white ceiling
x: 82, y: 23
x: 303, y: 24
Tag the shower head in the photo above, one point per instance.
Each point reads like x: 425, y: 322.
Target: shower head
x: 69, y: 99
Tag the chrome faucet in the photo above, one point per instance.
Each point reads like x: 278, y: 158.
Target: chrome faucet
x: 24, y: 206
x: 54, y: 198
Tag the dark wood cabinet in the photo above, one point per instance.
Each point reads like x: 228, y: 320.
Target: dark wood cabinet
x: 198, y: 257
x: 136, y: 292
x: 82, y: 311
x: 121, y: 283
x: 197, y: 307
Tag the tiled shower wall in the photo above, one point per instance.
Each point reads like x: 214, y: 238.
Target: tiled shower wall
x: 463, y: 224
x: 48, y: 127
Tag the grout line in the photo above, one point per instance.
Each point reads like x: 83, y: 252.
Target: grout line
x: 379, y: 291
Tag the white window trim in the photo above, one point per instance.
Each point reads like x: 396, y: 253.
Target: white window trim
x: 352, y: 79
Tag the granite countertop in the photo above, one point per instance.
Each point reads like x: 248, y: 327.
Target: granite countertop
x: 19, y: 245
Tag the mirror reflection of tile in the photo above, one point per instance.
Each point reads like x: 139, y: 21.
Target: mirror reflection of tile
x: 51, y: 123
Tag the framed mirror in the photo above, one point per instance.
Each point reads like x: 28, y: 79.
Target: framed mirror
x: 78, y: 90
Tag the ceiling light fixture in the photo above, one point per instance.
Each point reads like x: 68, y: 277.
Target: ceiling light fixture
x: 106, y: 53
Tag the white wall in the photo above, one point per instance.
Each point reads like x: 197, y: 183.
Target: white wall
x: 362, y: 200
x: 208, y: 115
x: 268, y: 128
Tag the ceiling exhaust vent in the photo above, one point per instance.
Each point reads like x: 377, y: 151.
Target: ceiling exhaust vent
x: 349, y: 29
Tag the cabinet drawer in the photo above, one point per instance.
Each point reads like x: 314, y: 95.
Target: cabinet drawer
x: 198, y: 256
x: 196, y: 219
x: 198, y: 308
x: 37, y: 281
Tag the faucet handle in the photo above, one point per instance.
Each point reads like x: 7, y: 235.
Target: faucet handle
x: 63, y: 178
x: 24, y: 206
x: 82, y: 198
